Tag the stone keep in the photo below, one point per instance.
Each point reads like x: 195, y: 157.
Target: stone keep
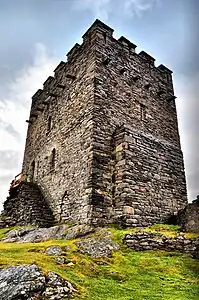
x: 103, y: 141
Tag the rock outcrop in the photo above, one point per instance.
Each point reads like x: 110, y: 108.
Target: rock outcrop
x: 29, y: 282
x: 59, y: 232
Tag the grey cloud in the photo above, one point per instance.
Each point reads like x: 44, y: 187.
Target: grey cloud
x: 9, y: 160
x: 187, y: 90
x: 10, y: 129
x: 5, y: 179
x: 104, y: 8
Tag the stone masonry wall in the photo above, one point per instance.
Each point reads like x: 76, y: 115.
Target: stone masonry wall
x: 58, y: 152
x: 90, y: 167
x: 130, y: 91
x: 188, y: 218
x: 26, y: 205
x: 153, y: 179
x: 155, y: 241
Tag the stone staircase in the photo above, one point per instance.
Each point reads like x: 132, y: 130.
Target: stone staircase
x: 26, y: 205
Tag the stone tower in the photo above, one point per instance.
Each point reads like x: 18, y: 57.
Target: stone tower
x: 103, y: 141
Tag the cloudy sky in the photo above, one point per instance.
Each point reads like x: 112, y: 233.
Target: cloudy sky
x: 36, y: 35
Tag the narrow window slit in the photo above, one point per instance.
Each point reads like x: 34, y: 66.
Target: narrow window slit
x: 49, y: 124
x: 52, y: 163
x: 142, y: 111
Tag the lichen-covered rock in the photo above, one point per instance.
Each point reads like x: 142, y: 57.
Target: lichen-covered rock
x: 28, y: 282
x: 21, y: 282
x: 54, y: 250
x: 57, y: 288
x: 27, y: 235
x: 15, y: 234
x: 60, y: 260
x: 36, y: 235
x: 78, y: 231
x: 97, y: 247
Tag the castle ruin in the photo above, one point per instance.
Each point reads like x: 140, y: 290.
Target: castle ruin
x: 103, y: 141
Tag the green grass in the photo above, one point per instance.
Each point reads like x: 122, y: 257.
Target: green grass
x: 127, y: 275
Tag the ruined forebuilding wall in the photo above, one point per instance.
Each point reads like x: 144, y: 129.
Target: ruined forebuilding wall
x: 137, y: 159
x: 61, y: 119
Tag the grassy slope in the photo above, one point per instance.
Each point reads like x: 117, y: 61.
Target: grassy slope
x: 127, y: 275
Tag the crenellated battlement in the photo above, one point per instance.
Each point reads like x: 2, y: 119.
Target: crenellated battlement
x: 100, y: 36
x: 148, y: 58
x: 98, y: 25
x: 126, y: 43
x: 98, y: 40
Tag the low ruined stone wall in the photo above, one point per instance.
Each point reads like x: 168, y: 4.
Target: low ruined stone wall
x: 188, y: 218
x: 154, y: 241
x: 26, y: 205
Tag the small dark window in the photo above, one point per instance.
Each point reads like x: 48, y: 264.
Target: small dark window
x: 168, y: 77
x: 38, y: 166
x: 142, y: 112
x: 105, y: 37
x: 32, y: 170
x: 49, y: 124
x: 52, y: 163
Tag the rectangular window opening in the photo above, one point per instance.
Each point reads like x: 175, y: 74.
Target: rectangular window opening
x: 49, y: 124
x: 142, y: 112
x: 52, y: 161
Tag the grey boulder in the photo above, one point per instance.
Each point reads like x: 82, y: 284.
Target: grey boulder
x: 97, y: 247
x: 21, y: 282
x: 27, y: 282
x: 54, y: 250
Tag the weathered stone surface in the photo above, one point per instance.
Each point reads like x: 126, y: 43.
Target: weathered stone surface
x: 26, y: 205
x: 21, y: 282
x: 97, y: 247
x: 142, y: 241
x: 28, y: 282
x: 103, y: 136
x: 27, y: 235
x: 188, y: 218
x: 196, y: 252
x: 5, y: 221
x: 78, y: 231
x: 15, y: 234
x: 57, y: 288
x: 60, y: 260
x: 54, y: 250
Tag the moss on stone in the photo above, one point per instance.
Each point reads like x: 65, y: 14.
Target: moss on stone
x: 126, y: 275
